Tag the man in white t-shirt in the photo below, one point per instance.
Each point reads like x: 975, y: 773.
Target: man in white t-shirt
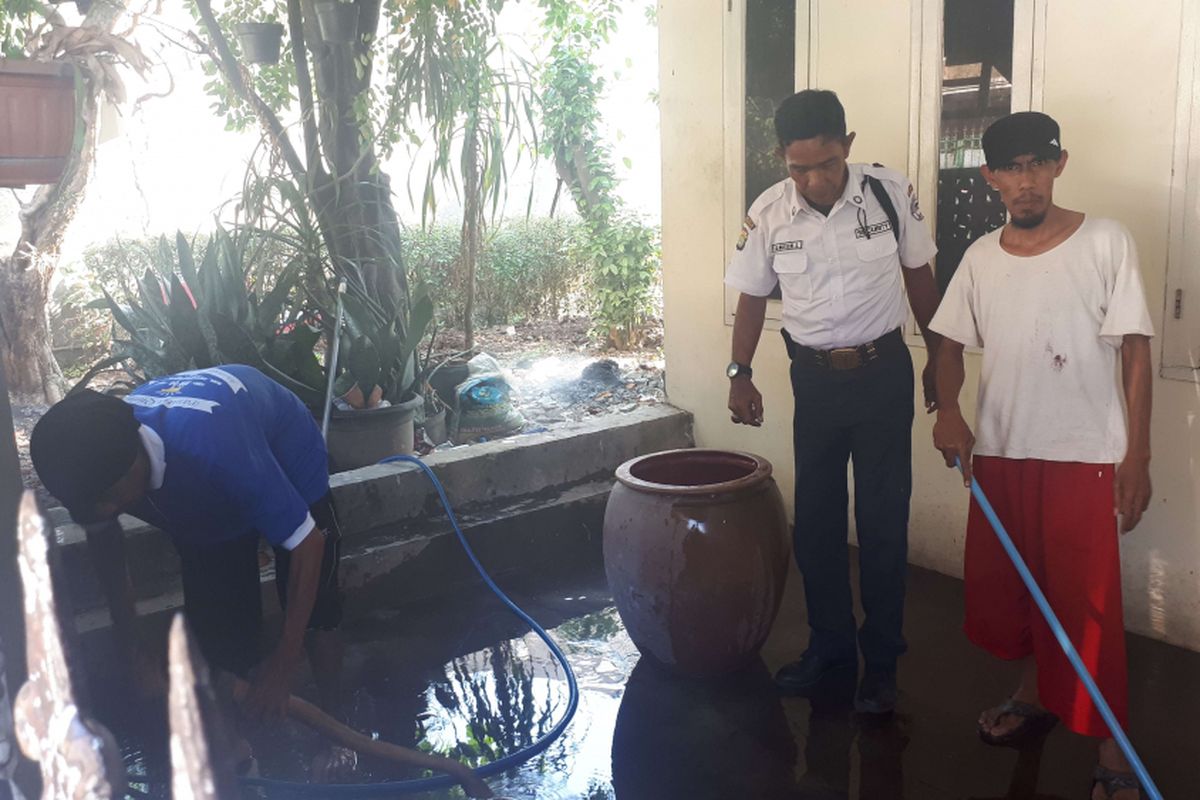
x: 1055, y: 300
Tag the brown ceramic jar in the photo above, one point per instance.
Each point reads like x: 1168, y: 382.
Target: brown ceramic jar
x: 696, y: 550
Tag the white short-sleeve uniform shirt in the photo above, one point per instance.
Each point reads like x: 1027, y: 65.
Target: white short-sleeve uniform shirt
x: 1051, y: 327
x: 839, y: 274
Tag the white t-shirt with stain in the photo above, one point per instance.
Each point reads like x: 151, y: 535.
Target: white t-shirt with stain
x: 1051, y: 328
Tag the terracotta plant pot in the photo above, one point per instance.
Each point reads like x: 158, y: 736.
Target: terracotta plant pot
x: 261, y: 41
x: 696, y: 550
x: 38, y: 134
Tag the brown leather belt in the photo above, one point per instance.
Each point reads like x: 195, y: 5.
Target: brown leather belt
x: 844, y: 358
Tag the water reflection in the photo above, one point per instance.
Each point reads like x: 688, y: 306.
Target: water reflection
x: 639, y: 732
x: 701, y: 739
x: 491, y: 703
x: 835, y: 733
x: 470, y: 682
x: 596, y: 628
x: 1023, y: 783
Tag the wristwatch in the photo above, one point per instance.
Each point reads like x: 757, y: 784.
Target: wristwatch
x: 735, y: 370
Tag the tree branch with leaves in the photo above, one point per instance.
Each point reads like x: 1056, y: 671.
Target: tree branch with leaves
x: 623, y: 250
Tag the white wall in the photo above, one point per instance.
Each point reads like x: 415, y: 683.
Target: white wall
x: 1110, y: 80
x: 1118, y: 120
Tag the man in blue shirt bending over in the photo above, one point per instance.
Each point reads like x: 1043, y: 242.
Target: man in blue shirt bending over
x: 215, y: 457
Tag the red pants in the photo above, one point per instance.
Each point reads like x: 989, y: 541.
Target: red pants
x: 1060, y: 516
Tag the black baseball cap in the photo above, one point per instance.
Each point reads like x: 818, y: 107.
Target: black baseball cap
x: 1022, y: 134
x: 82, y: 446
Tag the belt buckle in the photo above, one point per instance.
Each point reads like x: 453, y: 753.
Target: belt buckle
x: 845, y: 358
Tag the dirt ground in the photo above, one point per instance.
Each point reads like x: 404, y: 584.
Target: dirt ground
x: 558, y: 373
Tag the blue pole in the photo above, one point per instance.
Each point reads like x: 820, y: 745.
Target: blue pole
x: 1064, y: 642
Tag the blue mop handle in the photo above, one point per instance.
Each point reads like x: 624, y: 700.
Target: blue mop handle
x: 1064, y: 641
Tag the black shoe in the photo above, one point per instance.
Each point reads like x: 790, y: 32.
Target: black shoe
x: 877, y: 692
x: 801, y: 677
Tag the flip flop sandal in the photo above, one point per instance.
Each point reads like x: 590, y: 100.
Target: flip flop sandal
x: 1113, y: 782
x: 1034, y: 723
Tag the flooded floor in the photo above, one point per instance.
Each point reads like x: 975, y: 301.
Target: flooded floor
x: 464, y: 679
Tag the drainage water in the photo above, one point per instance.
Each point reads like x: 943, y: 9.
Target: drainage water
x: 462, y: 678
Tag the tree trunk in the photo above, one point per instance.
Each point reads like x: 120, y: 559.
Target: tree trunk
x: 352, y: 195
x: 347, y: 192
x: 472, y: 232
x: 33, y: 373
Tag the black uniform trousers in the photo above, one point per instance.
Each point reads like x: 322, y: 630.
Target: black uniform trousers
x: 865, y: 415
x: 222, y: 595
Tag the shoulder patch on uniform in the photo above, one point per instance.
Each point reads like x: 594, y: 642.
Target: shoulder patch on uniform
x: 914, y: 207
x: 748, y: 225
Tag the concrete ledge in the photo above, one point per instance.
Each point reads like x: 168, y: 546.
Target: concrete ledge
x: 521, y: 501
x: 484, y: 474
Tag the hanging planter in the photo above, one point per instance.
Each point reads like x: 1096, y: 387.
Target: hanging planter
x: 260, y: 41
x: 40, y: 121
x: 338, y: 21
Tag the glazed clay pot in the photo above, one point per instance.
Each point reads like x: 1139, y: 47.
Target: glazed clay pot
x: 696, y: 550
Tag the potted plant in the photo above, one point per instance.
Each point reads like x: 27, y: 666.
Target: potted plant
x: 198, y: 308
x: 378, y: 388
x: 41, y: 117
x: 192, y: 308
x: 261, y: 41
x: 338, y: 21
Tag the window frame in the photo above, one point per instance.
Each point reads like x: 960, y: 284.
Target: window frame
x: 925, y: 114
x: 734, y: 104
x: 1179, y: 337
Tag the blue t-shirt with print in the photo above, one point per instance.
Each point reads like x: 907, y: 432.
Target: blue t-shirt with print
x: 241, y: 453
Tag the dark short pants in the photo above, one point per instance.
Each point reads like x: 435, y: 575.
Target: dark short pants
x: 222, y: 594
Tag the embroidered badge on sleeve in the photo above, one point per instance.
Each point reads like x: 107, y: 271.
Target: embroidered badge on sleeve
x: 747, y: 226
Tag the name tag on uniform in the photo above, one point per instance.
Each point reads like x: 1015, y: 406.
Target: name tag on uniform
x: 787, y: 247
x: 878, y: 227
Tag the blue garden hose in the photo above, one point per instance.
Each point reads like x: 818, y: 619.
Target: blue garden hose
x: 388, y: 788
x: 1064, y: 641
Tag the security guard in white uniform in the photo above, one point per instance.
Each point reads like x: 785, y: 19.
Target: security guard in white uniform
x: 843, y: 242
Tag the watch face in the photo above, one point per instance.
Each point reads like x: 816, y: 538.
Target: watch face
x: 732, y: 370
